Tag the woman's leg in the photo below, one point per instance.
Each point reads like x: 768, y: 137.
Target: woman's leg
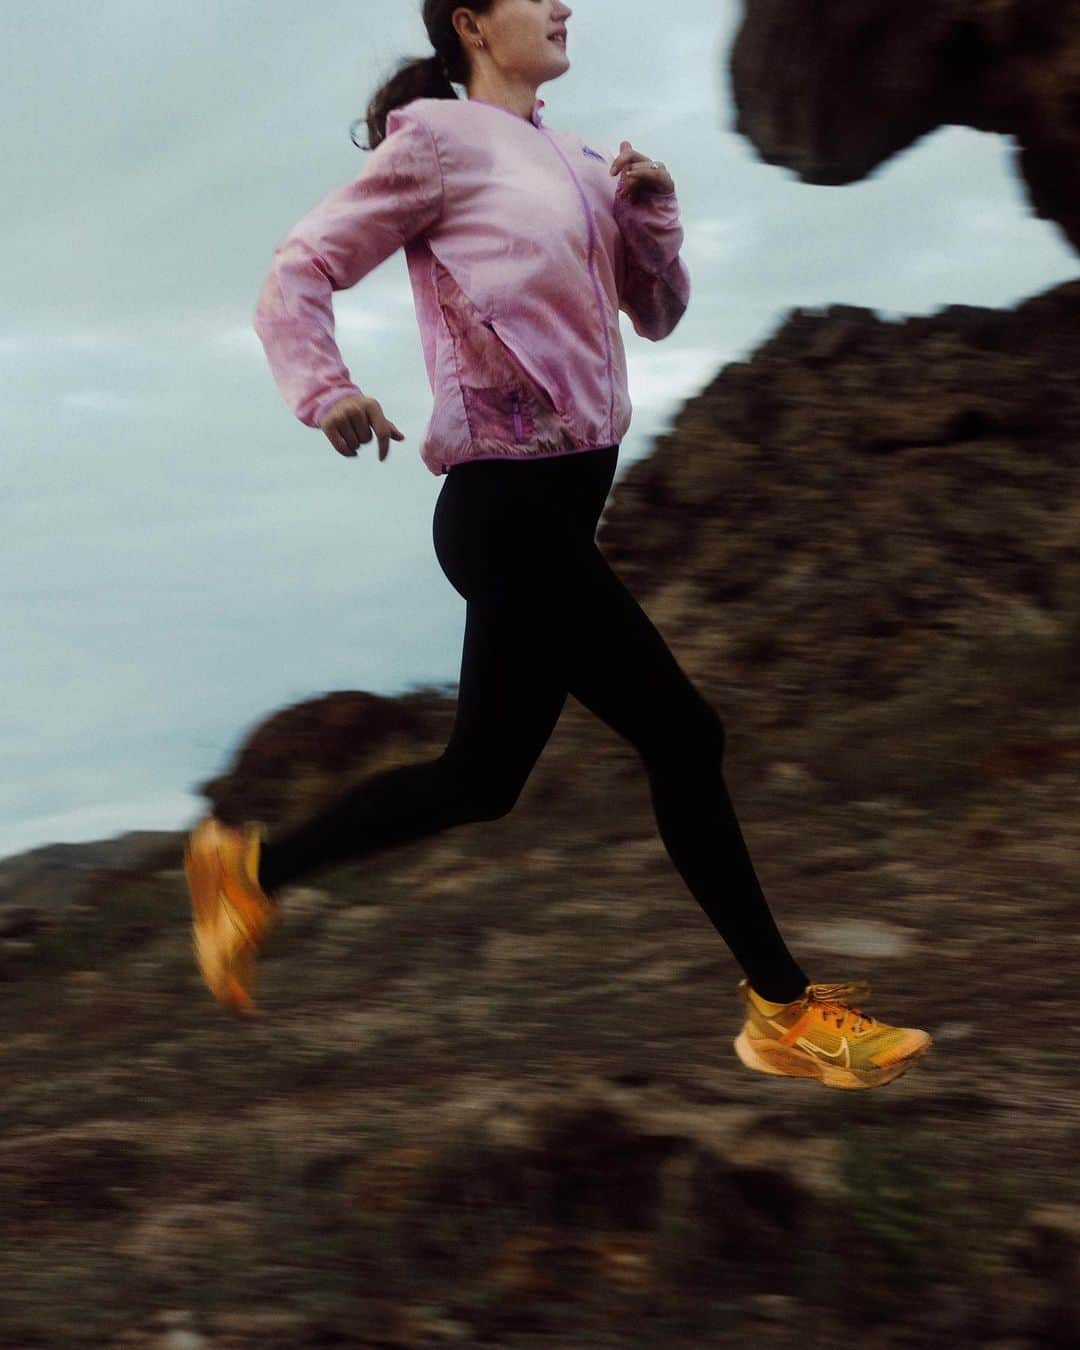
x: 508, y: 705
x: 512, y: 682
x: 623, y: 671
x: 546, y: 614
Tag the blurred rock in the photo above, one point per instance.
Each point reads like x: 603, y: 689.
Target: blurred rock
x: 832, y: 92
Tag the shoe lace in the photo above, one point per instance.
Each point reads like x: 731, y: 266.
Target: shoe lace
x: 833, y: 1001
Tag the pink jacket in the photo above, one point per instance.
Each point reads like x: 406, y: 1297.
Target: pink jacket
x: 520, y: 259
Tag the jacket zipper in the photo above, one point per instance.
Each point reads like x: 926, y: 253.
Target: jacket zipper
x: 518, y: 430
x: 592, y: 275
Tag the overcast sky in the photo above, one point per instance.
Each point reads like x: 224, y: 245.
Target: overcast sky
x: 181, y: 557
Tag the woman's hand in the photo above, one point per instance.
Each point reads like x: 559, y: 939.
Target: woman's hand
x: 638, y: 174
x: 350, y: 422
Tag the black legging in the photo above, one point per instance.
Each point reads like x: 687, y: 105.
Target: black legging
x: 547, y: 616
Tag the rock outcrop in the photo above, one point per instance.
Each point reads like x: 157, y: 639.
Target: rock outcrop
x: 831, y: 91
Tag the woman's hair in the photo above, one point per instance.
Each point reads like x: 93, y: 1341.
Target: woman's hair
x: 424, y: 76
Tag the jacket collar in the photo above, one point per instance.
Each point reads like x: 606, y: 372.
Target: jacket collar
x: 535, y: 118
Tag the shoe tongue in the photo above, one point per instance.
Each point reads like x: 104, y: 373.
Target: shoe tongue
x: 850, y: 992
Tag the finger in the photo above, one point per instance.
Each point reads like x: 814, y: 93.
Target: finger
x: 620, y: 158
x: 338, y: 442
x: 359, y: 430
x: 387, y: 433
x: 633, y: 172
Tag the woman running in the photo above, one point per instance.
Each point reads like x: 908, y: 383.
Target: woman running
x: 523, y: 244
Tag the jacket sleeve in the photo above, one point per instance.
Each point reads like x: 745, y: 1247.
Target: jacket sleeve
x: 656, y: 288
x: 398, y: 194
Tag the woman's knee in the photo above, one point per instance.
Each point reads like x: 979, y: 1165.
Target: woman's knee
x: 708, y: 735
x: 476, y: 794
x: 491, y: 802
x: 698, y: 740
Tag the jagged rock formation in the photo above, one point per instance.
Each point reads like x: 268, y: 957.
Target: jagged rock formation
x: 866, y: 510
x: 831, y: 91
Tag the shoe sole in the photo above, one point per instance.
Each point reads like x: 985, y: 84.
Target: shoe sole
x: 792, y: 1063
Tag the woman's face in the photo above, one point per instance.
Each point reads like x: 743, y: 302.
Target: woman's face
x: 517, y: 37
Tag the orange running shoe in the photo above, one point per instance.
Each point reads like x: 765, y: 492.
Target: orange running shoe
x: 231, y: 914
x: 821, y: 1036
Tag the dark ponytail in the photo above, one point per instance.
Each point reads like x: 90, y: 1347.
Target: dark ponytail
x: 423, y: 77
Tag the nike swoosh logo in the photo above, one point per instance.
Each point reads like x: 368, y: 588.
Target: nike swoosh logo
x: 841, y: 1051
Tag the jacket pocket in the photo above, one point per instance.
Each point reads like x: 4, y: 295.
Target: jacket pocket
x: 500, y: 413
x: 531, y: 381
